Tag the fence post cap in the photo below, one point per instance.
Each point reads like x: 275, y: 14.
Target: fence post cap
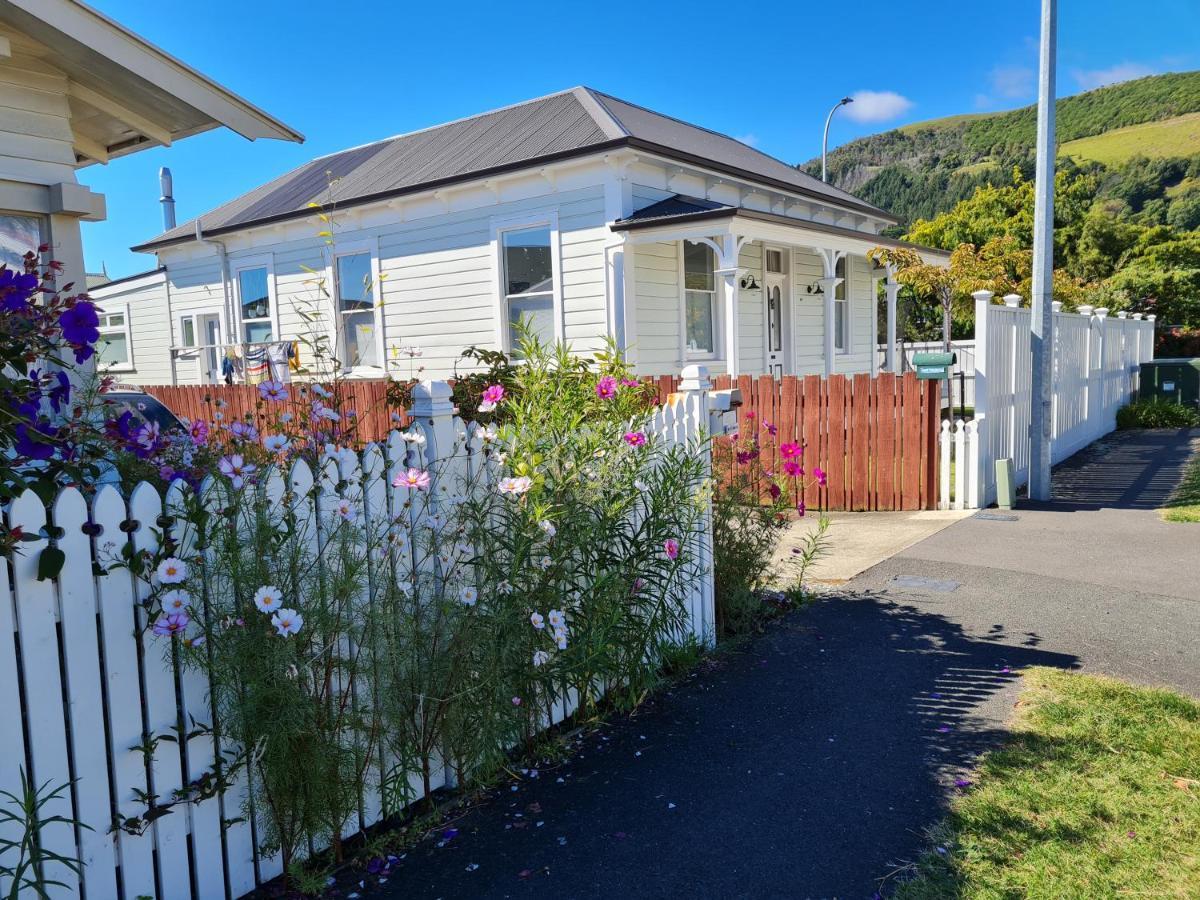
x: 431, y: 398
x: 1012, y: 299
x: 1085, y: 309
x: 985, y: 296
x: 1137, y: 316
x: 695, y: 378
x: 1123, y: 314
x: 1102, y: 311
x: 1151, y: 317
x: 1056, y: 305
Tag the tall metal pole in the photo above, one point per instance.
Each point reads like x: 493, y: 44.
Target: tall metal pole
x: 825, y: 137
x: 1042, y: 337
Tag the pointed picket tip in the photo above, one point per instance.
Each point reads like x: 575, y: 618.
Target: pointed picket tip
x: 70, y: 505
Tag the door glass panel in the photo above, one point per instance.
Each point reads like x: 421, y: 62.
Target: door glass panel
x: 775, y: 261
x: 774, y: 319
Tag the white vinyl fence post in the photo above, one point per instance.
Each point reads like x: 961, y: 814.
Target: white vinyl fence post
x: 972, y: 466
x: 695, y: 386
x: 960, y: 469
x: 944, y: 466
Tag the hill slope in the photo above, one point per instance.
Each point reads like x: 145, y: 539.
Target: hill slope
x: 923, y: 169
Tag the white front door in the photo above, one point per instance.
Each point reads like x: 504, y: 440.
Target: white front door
x: 210, y: 357
x: 775, y: 314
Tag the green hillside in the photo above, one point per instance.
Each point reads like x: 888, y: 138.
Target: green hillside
x: 923, y: 169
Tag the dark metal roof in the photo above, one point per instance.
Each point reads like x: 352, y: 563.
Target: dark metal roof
x: 571, y: 123
x: 680, y: 209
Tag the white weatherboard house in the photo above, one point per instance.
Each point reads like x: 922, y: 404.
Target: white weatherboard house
x: 589, y: 215
x: 78, y: 89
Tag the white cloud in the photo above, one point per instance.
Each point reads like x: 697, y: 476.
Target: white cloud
x: 877, y: 106
x: 1011, y: 82
x: 750, y: 140
x: 1088, y: 79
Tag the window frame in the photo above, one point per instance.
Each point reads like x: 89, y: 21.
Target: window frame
x: 118, y: 309
x: 369, y: 246
x: 718, y: 301
x: 499, y: 227
x: 844, y: 288
x: 245, y: 264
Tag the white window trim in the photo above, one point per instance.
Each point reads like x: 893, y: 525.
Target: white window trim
x: 847, y: 310
x: 370, y: 246
x: 718, y: 295
x: 499, y: 225
x: 242, y: 264
x: 113, y: 309
x: 785, y: 308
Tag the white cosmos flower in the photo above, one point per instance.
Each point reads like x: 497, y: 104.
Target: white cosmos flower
x: 405, y: 587
x: 545, y: 562
x: 641, y: 486
x: 486, y: 406
x: 537, y: 621
x: 560, y: 638
x: 504, y: 587
x: 414, y: 437
x: 287, y: 621
x: 176, y: 601
x: 346, y: 510
x: 172, y: 570
x: 275, y: 443
x: 557, y: 619
x: 548, y: 528
x: 487, y: 433
x: 540, y: 658
x: 468, y: 596
x: 321, y: 392
x: 268, y: 598
x: 515, y: 486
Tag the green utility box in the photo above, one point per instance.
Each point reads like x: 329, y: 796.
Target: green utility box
x: 1173, y: 380
x: 933, y: 366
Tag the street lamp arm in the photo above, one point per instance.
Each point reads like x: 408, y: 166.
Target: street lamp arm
x: 825, y: 136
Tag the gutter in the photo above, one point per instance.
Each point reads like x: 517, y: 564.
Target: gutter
x: 479, y: 174
x: 223, y: 254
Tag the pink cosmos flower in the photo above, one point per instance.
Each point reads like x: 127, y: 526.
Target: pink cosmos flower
x: 819, y: 474
x: 792, y: 468
x: 236, y: 469
x: 516, y: 701
x: 198, y: 431
x: 171, y: 624
x: 671, y: 548
x: 635, y: 438
x: 274, y: 391
x: 413, y: 479
x: 492, y: 395
x: 771, y: 429
x: 606, y: 388
x: 774, y: 490
x: 800, y: 508
x: 790, y: 450
x: 629, y: 382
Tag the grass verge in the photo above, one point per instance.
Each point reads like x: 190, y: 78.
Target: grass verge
x: 1184, y: 505
x: 1097, y: 794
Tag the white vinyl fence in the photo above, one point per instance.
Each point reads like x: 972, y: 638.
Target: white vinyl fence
x: 1095, y: 369
x: 83, y: 685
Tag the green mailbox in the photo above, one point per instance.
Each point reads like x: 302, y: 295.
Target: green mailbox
x: 933, y: 366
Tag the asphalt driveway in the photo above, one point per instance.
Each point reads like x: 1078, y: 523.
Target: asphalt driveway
x: 808, y: 763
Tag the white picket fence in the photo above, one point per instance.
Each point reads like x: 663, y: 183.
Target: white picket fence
x: 1095, y: 372
x: 83, y: 685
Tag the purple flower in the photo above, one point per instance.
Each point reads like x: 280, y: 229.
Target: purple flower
x: 606, y: 388
x: 635, y: 438
x: 33, y: 442
x: 962, y: 783
x: 171, y: 624
x: 80, y: 326
x: 16, y: 288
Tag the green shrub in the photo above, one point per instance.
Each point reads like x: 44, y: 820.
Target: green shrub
x: 1157, y: 413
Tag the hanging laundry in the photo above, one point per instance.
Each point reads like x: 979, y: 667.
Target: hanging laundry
x: 258, y: 369
x: 278, y: 358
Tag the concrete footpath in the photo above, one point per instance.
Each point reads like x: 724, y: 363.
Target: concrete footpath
x: 809, y: 762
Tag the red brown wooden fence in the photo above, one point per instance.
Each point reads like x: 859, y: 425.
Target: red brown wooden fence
x: 876, y: 438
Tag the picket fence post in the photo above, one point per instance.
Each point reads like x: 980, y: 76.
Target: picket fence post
x: 695, y: 386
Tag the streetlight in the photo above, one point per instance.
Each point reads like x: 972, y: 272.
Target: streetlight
x: 825, y: 139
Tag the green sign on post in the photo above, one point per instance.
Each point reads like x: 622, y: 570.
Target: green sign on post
x: 933, y: 366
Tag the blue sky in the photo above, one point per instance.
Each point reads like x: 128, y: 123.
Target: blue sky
x: 351, y: 72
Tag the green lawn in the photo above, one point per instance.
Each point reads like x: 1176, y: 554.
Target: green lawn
x: 1184, y: 505
x: 1096, y: 795
x: 1179, y: 136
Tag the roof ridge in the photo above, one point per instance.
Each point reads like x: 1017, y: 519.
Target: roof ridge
x: 590, y: 98
x: 713, y: 131
x: 478, y: 115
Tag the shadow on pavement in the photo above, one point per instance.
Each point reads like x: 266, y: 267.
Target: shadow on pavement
x: 1135, y: 469
x: 805, y: 764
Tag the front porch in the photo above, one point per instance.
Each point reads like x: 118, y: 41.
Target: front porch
x: 748, y: 292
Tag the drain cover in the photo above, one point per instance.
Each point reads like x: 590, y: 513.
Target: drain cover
x: 920, y: 583
x: 996, y: 517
